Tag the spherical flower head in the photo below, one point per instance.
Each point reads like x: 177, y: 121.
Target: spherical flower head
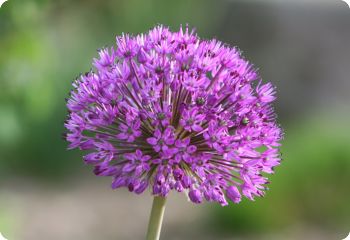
x: 168, y: 111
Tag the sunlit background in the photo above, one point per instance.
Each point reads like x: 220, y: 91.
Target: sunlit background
x: 46, y: 192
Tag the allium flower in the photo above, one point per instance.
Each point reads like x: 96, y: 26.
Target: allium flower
x: 169, y: 111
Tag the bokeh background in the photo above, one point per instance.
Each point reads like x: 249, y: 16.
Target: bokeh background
x: 47, y: 193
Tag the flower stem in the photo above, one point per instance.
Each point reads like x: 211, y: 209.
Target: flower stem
x: 156, y: 218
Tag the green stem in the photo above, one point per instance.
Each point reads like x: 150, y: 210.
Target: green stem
x: 156, y: 218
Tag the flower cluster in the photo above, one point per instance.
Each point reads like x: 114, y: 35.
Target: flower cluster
x: 169, y: 111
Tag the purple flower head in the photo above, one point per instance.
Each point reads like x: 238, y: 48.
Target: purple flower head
x: 195, y: 196
x: 129, y: 131
x: 191, y: 120
x: 168, y: 111
x: 161, y: 141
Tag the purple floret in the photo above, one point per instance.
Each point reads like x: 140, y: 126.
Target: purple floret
x: 168, y: 111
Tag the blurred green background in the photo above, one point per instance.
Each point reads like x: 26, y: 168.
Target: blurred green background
x: 47, y: 193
